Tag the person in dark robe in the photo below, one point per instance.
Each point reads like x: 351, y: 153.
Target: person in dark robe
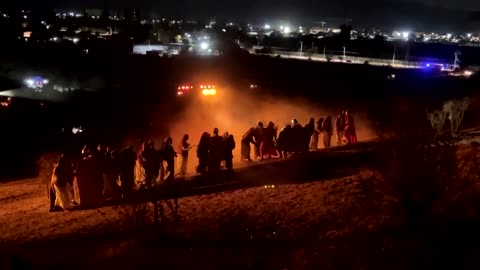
x: 147, y: 161
x: 340, y: 127
x: 183, y: 149
x: 127, y: 167
x: 247, y: 139
x: 202, y: 153
x: 284, y: 141
x: 309, y: 129
x: 350, y: 132
x: 110, y: 174
x: 169, y: 155
x: 228, y: 148
x: 156, y: 157
x: 89, y: 177
x: 316, y: 135
x: 297, y: 137
x: 267, y: 148
x: 257, y: 139
x: 224, y: 149
x: 327, y: 129
x: 215, y: 152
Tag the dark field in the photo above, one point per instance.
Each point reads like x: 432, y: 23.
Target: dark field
x: 135, y: 100
x: 384, y: 205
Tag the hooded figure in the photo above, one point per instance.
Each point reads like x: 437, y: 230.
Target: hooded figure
x: 202, y: 152
x: 257, y: 139
x: 327, y: 131
x: 309, y: 129
x: 247, y: 139
x: 284, y: 142
x: 146, y: 159
x: 62, y: 177
x: 127, y: 168
x: 340, y: 127
x: 111, y: 172
x: 298, y: 134
x: 89, y: 177
x: 168, y: 156
x: 267, y: 148
x: 183, y: 148
x: 350, y: 132
x: 229, y: 146
x: 215, y: 152
x: 316, y: 134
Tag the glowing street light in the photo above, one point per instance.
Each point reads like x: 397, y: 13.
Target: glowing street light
x: 405, y: 34
x: 204, y: 46
x: 286, y: 30
x: 267, y: 26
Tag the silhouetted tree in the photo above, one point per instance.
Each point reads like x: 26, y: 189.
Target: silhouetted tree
x: 345, y: 31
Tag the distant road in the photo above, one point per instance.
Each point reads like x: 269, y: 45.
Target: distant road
x: 347, y: 60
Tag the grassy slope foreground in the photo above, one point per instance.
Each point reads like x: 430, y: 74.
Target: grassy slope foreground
x: 356, y: 222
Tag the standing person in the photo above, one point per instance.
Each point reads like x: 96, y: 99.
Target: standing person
x: 297, y: 136
x: 110, y: 174
x: 284, y: 141
x: 229, y: 147
x: 183, y: 148
x: 340, y: 127
x: 169, y: 154
x: 247, y: 139
x: 89, y: 177
x: 327, y: 131
x: 268, y: 143
x: 146, y: 158
x: 127, y: 168
x: 350, y: 132
x: 224, y: 149
x: 257, y: 138
x: 316, y: 134
x: 62, y: 176
x: 215, y: 152
x: 202, y: 153
x: 309, y: 129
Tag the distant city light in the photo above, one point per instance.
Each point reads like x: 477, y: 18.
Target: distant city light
x: 405, y: 34
x: 204, y: 46
x: 224, y: 30
x: 468, y: 73
x: 25, y: 16
x: 469, y: 35
x: 75, y: 40
x: 449, y: 36
x: 286, y: 30
x: 36, y: 83
x: 267, y: 26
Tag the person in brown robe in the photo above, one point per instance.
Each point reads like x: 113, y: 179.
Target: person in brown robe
x: 89, y: 177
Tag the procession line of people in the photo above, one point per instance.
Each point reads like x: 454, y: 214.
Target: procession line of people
x: 104, y: 173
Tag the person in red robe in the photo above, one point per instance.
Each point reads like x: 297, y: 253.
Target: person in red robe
x: 267, y: 147
x: 350, y: 132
